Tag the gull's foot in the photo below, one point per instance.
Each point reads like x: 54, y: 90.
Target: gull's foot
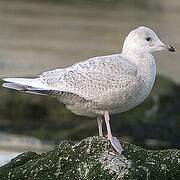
x: 116, y: 144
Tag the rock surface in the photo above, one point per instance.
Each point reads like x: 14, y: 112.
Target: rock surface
x: 91, y: 159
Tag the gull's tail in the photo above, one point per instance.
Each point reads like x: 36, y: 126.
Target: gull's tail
x: 34, y: 86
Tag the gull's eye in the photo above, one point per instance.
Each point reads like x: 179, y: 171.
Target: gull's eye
x: 148, y: 39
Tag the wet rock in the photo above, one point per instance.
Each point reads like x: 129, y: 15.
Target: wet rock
x: 94, y: 158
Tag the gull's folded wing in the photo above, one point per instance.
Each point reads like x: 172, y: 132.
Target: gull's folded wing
x: 94, y: 79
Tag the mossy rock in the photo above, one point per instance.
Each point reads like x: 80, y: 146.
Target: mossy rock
x: 94, y: 158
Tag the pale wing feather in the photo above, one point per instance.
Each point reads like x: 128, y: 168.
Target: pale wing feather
x: 94, y: 79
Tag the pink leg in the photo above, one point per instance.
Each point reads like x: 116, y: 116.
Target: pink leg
x: 114, y: 141
x: 107, y: 119
x: 99, y: 122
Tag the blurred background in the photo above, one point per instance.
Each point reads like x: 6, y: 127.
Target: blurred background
x: 40, y: 35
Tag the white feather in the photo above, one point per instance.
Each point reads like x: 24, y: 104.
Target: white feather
x: 12, y: 86
x: 35, y: 83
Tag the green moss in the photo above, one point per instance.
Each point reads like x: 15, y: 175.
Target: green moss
x: 94, y: 158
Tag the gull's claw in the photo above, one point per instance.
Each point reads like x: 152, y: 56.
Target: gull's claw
x: 116, y: 144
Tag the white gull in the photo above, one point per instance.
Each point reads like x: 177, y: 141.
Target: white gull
x: 102, y: 85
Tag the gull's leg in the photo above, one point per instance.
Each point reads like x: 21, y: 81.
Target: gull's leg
x: 99, y: 122
x: 114, y: 141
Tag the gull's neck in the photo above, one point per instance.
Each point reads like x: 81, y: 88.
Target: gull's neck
x: 143, y: 60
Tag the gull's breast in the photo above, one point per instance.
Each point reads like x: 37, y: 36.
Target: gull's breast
x: 133, y: 95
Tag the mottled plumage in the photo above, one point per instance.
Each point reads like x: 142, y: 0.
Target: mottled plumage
x: 97, y: 85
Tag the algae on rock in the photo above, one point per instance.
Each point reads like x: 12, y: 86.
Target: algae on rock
x: 94, y: 159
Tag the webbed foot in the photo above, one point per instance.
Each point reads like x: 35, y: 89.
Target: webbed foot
x: 116, y: 144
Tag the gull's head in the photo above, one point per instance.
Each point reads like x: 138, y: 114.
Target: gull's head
x: 144, y: 40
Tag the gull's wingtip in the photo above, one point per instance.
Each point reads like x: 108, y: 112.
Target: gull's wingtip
x: 3, y: 81
x: 5, y: 85
x: 7, y: 79
x: 11, y: 86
